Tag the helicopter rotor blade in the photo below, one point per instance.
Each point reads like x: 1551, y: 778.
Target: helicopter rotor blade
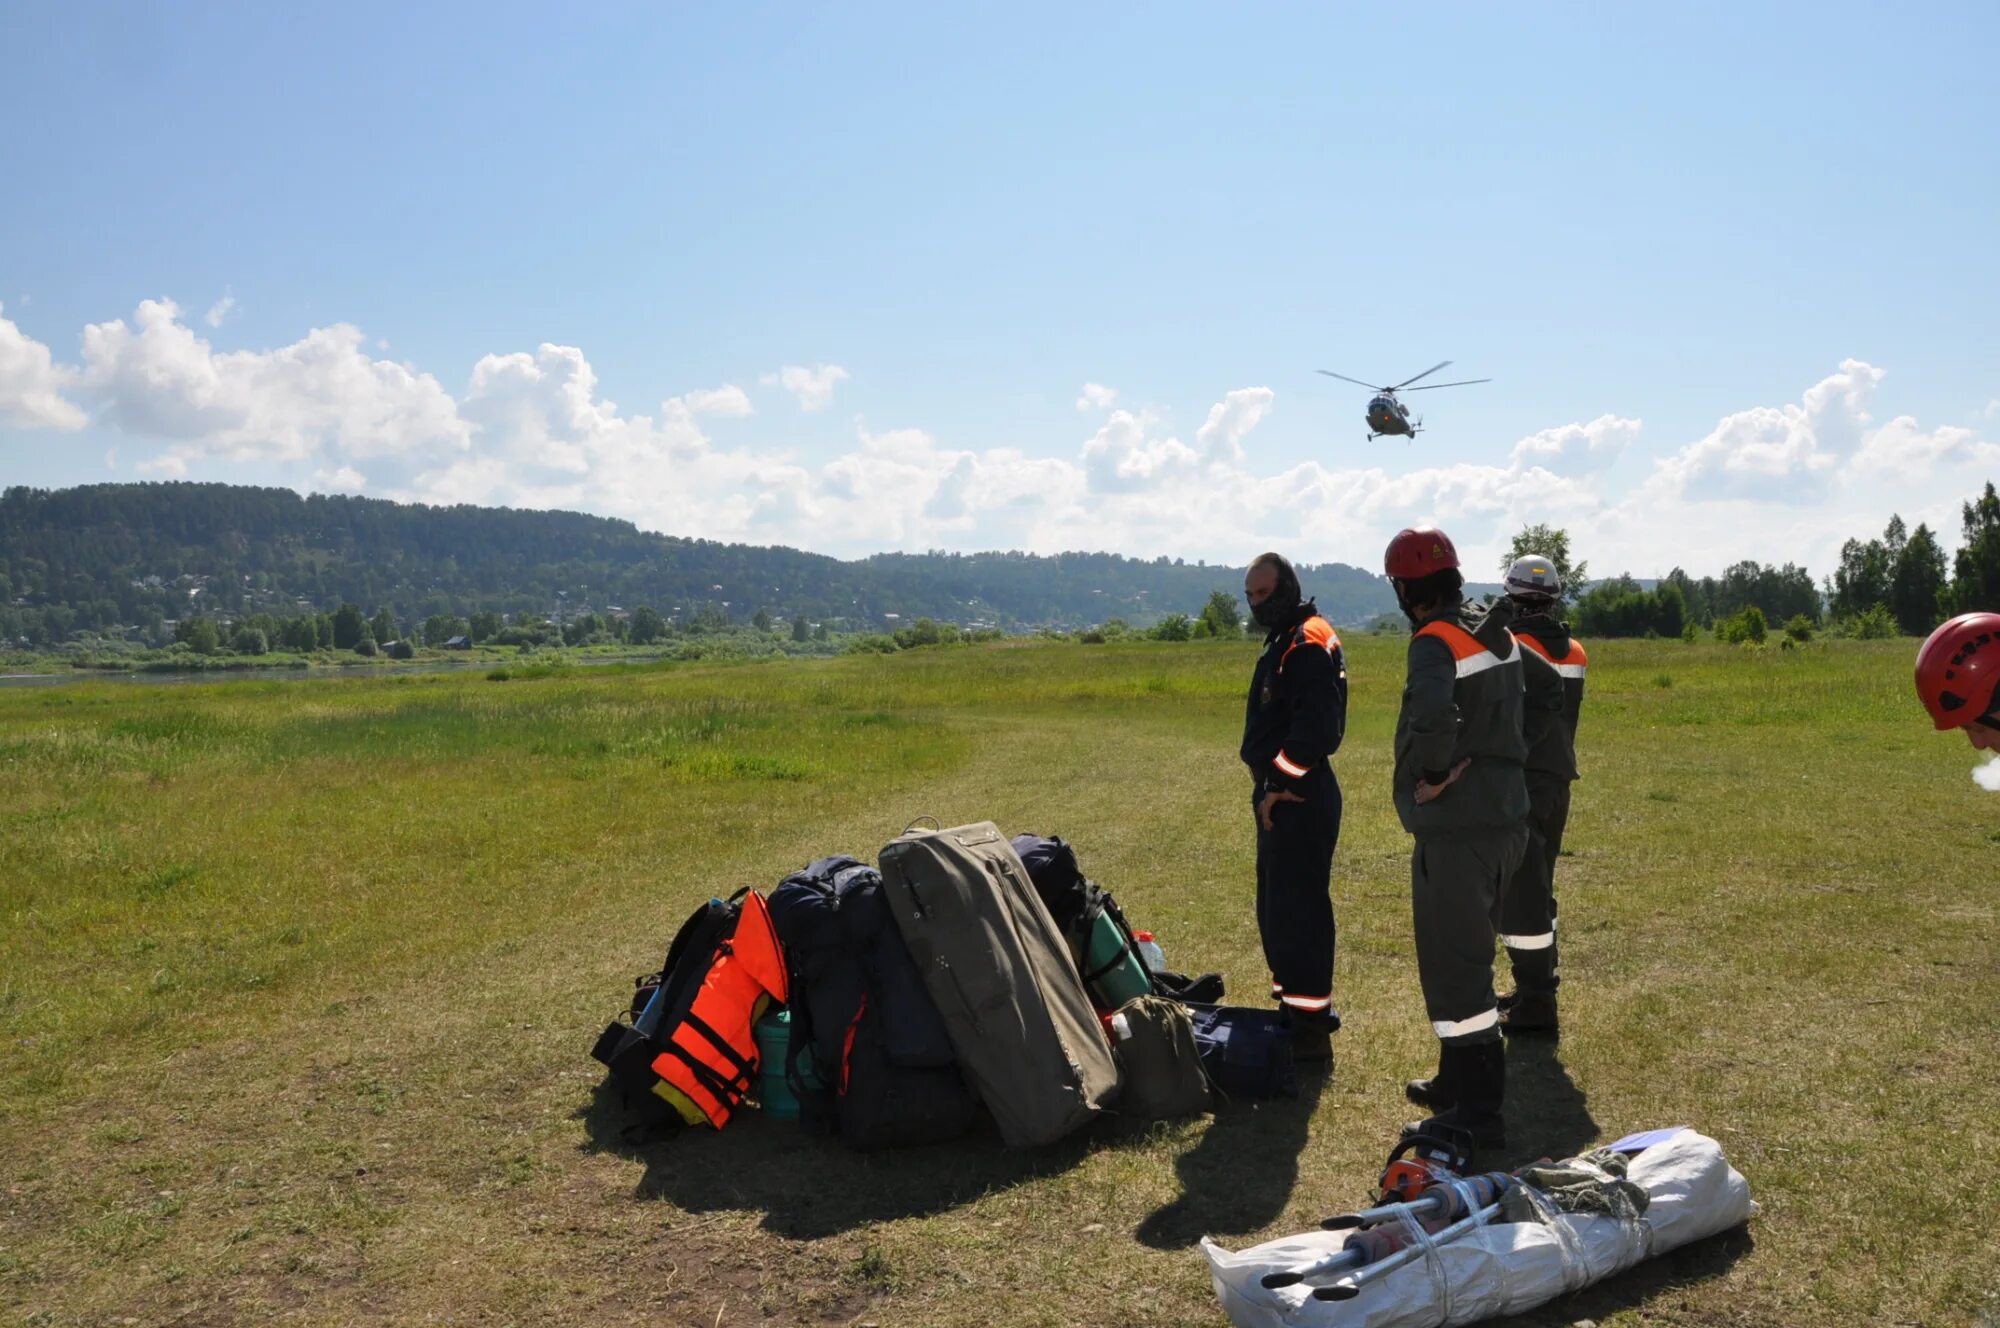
x: 1425, y: 374
x: 1356, y: 381
x: 1461, y: 383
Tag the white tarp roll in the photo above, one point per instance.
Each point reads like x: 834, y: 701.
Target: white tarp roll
x: 1497, y: 1269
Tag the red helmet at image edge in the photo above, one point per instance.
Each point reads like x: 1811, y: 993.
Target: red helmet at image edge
x: 1417, y: 552
x: 1957, y: 669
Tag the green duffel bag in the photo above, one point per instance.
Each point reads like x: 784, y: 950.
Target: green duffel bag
x: 1159, y: 1069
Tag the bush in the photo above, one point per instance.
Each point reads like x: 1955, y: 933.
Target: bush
x: 1799, y: 628
x: 1877, y: 624
x: 1173, y: 627
x: 926, y: 632
x: 1745, y: 627
x: 366, y: 646
x: 1690, y: 633
x: 250, y: 641
x: 401, y: 650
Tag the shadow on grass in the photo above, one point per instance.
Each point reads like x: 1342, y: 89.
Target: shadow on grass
x: 809, y: 1186
x: 1547, y: 1114
x: 1240, y: 1176
x: 1633, y: 1288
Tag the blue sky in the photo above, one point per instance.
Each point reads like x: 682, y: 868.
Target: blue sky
x: 1666, y: 230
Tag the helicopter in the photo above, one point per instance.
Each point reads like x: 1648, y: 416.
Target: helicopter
x: 1386, y: 415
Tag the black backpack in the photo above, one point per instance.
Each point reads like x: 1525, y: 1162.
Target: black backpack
x: 870, y: 1056
x: 628, y: 1049
x: 1075, y: 902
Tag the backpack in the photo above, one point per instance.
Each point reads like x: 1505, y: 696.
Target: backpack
x: 1246, y: 1052
x: 1021, y: 1024
x: 1159, y: 1066
x: 870, y: 1058
x: 1100, y: 941
x: 690, y: 1043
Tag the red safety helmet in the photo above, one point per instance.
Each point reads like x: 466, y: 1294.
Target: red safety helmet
x: 1958, y: 668
x: 1417, y: 552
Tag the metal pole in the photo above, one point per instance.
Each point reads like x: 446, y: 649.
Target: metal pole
x: 1351, y: 1287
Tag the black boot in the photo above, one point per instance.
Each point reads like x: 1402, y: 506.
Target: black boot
x: 1532, y: 1015
x: 1435, y: 1093
x: 1478, y: 1074
x: 1312, y: 1037
x: 1535, y: 988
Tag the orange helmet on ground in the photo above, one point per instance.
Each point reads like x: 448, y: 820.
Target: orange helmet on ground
x: 1417, y: 552
x: 1958, y: 669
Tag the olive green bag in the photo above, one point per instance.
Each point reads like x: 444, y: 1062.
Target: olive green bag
x: 1160, y: 1075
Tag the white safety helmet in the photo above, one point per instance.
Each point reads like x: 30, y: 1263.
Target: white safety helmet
x: 1533, y: 577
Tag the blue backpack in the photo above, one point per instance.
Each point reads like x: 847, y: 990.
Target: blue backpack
x: 881, y: 1071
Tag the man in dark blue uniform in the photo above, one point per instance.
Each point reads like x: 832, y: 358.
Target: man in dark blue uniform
x: 1292, y: 725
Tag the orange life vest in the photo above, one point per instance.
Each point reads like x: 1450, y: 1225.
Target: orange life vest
x: 710, y: 1059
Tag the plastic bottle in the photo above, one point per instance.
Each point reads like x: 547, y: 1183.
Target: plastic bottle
x: 1149, y: 951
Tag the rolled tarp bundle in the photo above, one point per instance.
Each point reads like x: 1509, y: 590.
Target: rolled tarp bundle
x: 1497, y: 1268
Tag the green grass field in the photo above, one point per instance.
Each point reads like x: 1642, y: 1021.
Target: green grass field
x: 298, y: 980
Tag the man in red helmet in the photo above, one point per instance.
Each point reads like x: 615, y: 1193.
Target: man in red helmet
x: 1461, y: 791
x: 1292, y: 725
x: 1958, y: 678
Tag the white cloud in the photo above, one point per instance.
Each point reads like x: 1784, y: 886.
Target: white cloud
x: 339, y: 479
x: 1096, y: 396
x: 1901, y: 449
x: 31, y: 384
x: 1230, y: 421
x: 529, y: 429
x: 1578, y: 449
x: 220, y: 310
x: 1123, y: 456
x: 728, y: 399
x: 1778, y: 453
x: 157, y: 378
x: 813, y: 387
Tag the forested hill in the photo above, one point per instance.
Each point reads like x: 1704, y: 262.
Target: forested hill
x: 124, y: 553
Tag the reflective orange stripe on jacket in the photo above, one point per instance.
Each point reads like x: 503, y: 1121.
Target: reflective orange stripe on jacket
x: 1313, y: 631
x: 1571, y: 665
x: 711, y: 1055
x: 1467, y: 650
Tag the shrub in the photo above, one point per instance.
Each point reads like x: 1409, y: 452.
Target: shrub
x: 1799, y: 628
x: 1745, y: 627
x: 1877, y: 624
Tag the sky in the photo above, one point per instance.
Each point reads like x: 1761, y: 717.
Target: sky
x: 870, y: 277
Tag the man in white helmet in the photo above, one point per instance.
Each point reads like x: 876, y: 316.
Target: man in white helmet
x: 1528, y: 909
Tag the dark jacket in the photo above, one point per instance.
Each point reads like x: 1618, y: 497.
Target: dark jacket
x: 1464, y: 699
x: 1553, y: 751
x: 1297, y: 709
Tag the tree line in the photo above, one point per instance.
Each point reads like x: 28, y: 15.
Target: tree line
x: 138, y: 556
x: 1898, y: 583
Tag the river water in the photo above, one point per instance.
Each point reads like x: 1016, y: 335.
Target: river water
x: 74, y: 676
